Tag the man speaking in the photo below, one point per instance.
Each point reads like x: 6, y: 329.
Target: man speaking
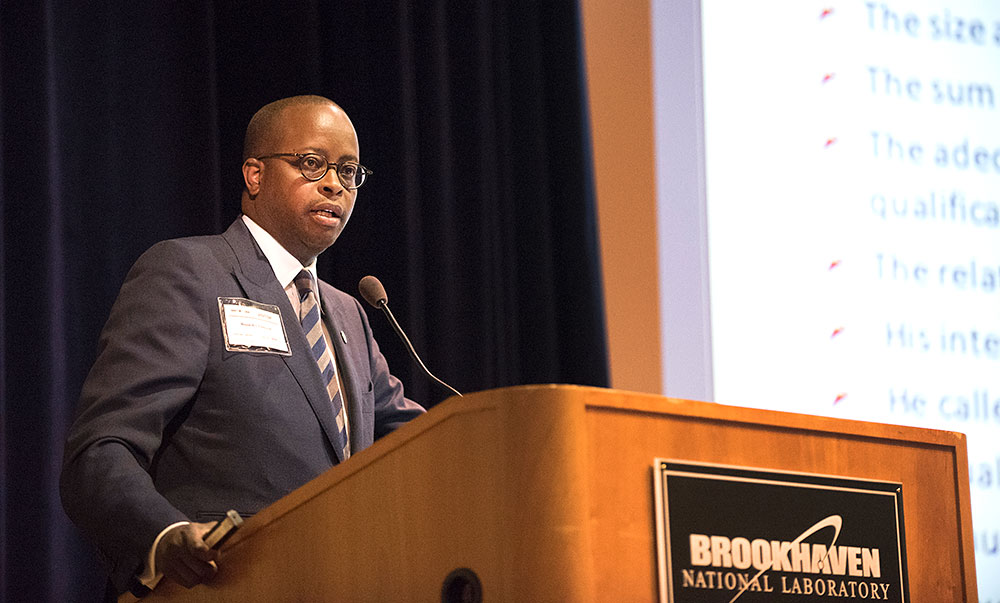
x: 227, y: 374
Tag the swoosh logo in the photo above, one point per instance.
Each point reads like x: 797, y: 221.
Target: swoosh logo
x: 834, y: 521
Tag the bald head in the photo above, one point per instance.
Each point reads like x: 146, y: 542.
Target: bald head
x: 265, y: 126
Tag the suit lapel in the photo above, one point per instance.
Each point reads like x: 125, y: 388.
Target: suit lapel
x: 255, y: 276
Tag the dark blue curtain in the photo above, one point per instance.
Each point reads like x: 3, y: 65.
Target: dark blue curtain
x: 121, y: 124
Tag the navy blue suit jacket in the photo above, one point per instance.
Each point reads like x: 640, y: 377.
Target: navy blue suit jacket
x: 171, y: 426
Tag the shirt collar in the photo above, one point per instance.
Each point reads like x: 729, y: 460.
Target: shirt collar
x: 284, y: 264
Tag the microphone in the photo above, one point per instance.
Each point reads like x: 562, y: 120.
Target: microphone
x: 374, y: 293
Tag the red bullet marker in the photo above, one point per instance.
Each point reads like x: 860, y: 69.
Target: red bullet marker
x: 826, y: 13
x: 839, y: 399
x: 836, y: 332
x: 830, y: 141
x: 834, y: 264
x: 827, y: 77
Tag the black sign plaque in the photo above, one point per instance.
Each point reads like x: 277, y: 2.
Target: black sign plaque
x: 738, y: 534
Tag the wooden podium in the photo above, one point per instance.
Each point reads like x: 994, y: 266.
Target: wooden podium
x: 545, y: 492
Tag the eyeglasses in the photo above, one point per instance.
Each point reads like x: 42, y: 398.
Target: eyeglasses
x: 314, y: 166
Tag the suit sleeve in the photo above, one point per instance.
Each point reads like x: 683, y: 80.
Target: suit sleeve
x: 151, y: 358
x: 392, y: 408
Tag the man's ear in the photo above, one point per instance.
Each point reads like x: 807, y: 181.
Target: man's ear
x: 252, y: 168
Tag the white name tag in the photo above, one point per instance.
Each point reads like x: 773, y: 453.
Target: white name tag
x: 249, y: 326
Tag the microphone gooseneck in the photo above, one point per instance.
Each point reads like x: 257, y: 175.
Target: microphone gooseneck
x: 374, y: 293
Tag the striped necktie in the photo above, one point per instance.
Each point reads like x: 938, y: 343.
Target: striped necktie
x: 313, y: 328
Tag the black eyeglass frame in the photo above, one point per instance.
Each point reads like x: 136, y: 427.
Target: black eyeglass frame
x: 365, y: 172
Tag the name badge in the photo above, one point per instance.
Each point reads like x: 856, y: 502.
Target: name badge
x: 249, y: 326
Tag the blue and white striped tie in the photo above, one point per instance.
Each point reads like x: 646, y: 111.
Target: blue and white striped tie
x: 313, y: 328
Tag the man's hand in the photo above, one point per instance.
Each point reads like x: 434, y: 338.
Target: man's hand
x: 183, y: 557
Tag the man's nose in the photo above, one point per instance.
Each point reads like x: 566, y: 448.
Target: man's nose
x: 330, y: 183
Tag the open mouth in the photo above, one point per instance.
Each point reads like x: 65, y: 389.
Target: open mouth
x: 328, y: 216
